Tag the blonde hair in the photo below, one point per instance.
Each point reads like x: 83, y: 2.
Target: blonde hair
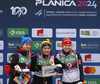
x: 28, y: 55
x: 73, y: 51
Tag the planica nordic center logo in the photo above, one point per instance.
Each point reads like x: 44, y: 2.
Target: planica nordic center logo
x: 65, y: 3
x: 16, y: 32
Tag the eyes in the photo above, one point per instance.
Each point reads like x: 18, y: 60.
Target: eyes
x: 28, y: 44
x: 47, y: 48
x: 67, y: 45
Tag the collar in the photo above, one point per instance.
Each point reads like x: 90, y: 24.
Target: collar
x: 24, y: 52
x: 45, y: 56
x: 66, y: 53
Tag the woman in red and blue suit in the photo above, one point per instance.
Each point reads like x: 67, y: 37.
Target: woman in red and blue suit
x: 72, y: 67
x: 21, y: 57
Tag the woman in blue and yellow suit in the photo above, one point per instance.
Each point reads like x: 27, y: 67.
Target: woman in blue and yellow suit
x: 42, y: 59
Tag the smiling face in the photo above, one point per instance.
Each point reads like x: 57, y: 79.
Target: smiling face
x: 46, y: 50
x: 26, y: 47
x: 66, y: 47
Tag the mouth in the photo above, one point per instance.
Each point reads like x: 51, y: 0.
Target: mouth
x: 67, y: 49
x: 46, y: 53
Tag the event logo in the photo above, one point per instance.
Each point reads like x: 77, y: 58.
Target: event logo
x: 42, y: 32
x: 1, y: 70
x: 1, y: 57
x: 18, y: 10
x: 66, y: 3
x: 14, y: 44
x: 63, y: 33
x: 89, y: 45
x: 39, y: 13
x: 16, y: 32
x: 1, y: 45
x: 55, y: 3
x: 1, y: 32
x: 90, y: 33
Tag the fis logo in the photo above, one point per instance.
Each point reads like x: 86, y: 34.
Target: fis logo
x: 39, y: 13
x: 18, y: 10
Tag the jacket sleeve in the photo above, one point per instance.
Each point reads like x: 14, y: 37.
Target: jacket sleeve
x: 9, y: 67
x: 57, y: 61
x: 80, y: 63
x: 34, y: 66
x: 33, y: 62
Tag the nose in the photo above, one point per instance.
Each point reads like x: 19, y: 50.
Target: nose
x: 67, y: 47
